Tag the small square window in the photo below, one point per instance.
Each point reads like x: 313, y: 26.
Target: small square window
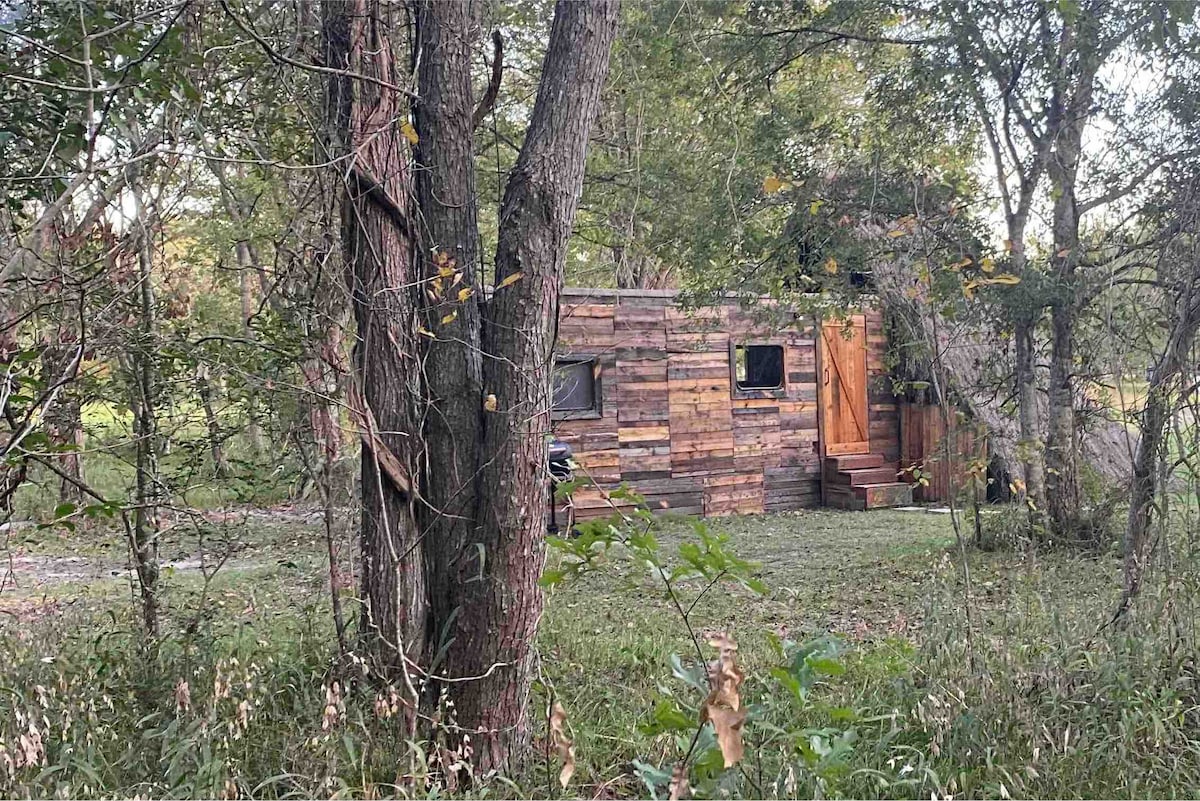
x: 757, y: 367
x: 575, y: 385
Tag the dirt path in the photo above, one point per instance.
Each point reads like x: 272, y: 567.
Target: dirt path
x: 26, y: 573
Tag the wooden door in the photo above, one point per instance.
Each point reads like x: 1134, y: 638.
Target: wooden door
x: 843, y: 388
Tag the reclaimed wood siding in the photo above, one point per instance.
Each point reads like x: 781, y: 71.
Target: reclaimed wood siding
x: 944, y: 461
x: 671, y: 424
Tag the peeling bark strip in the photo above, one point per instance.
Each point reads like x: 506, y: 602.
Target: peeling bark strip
x: 536, y: 218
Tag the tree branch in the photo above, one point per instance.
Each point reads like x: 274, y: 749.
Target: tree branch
x: 488, y: 101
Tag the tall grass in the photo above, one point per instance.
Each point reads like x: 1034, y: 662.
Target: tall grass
x: 1037, y: 700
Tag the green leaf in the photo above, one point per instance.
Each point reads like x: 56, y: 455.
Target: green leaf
x: 667, y: 716
x: 552, y: 578
x: 695, y: 675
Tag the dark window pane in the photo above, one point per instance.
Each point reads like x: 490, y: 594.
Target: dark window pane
x: 758, y: 366
x: 574, y: 386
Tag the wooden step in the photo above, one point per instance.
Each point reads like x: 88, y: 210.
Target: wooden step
x: 868, y: 496
x: 884, y: 495
x: 844, y: 498
x: 871, y: 475
x: 856, y: 461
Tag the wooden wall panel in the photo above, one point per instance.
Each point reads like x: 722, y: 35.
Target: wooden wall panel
x: 701, y: 418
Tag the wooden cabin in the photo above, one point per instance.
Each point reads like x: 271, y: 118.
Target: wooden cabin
x: 724, y: 409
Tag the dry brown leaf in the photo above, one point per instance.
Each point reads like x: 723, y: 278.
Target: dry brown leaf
x: 727, y: 723
x: 723, y: 707
x: 562, y: 743
x: 679, y: 783
x: 410, y: 133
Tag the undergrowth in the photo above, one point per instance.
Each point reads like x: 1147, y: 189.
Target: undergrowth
x: 1032, y: 699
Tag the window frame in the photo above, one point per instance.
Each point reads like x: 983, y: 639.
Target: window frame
x: 596, y: 410
x: 750, y: 392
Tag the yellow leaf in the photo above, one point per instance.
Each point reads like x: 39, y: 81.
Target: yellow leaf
x: 1005, y: 278
x: 562, y: 744
x: 425, y: 332
x: 772, y: 184
x: 449, y: 318
x: 437, y: 287
x: 464, y: 293
x: 987, y: 264
x: 815, y: 206
x: 831, y: 265
x: 958, y: 265
x: 489, y: 403
x: 895, y: 233
x: 446, y: 270
x: 509, y: 280
x: 410, y: 133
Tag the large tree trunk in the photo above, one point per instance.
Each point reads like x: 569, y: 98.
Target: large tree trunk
x: 1068, y: 118
x: 378, y: 244
x: 500, y: 612
x: 453, y: 568
x: 449, y: 237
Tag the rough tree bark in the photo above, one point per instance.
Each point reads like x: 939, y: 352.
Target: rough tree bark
x: 466, y: 547
x: 363, y: 130
x: 1069, y: 112
x: 143, y: 402
x: 536, y: 218
x: 449, y: 237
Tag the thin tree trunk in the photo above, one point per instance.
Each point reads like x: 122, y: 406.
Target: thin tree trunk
x: 64, y: 422
x: 204, y: 389
x: 254, y: 432
x: 501, y: 610
x: 1062, y: 481
x: 1029, y: 448
x: 1146, y: 462
x: 143, y: 399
